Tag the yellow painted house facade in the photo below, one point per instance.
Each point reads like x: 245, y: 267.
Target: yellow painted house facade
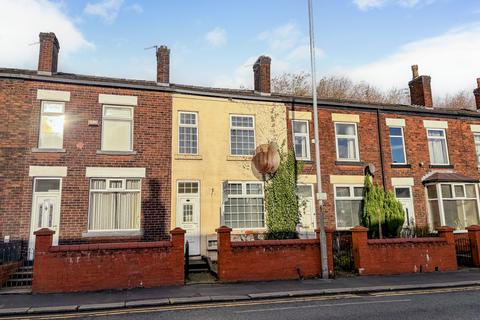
x: 213, y: 178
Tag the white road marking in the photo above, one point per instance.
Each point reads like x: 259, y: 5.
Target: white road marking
x: 324, y: 305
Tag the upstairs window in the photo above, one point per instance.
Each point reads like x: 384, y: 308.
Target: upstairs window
x: 437, y: 146
x: 51, y: 125
x: 117, y: 128
x: 242, y: 135
x: 301, y: 139
x: 397, y: 144
x: 188, y: 133
x: 477, y: 147
x: 346, y: 141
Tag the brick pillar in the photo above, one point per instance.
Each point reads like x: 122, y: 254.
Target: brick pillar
x: 474, y: 236
x: 447, y: 233
x: 41, y: 268
x: 329, y: 235
x: 178, y: 244
x: 359, y: 246
x: 224, y: 247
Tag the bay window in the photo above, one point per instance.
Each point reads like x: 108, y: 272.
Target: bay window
x: 243, y: 205
x: 348, y: 206
x: 114, y: 204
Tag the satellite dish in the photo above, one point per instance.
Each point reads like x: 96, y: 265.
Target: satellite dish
x: 370, y: 168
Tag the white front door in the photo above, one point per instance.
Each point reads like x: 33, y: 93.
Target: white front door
x: 308, y: 219
x: 404, y: 196
x: 45, y: 209
x: 188, y: 214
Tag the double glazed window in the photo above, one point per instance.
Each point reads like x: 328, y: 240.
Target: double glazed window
x: 437, y: 146
x: 243, y: 204
x: 301, y: 139
x: 117, y: 129
x: 114, y: 204
x: 346, y: 141
x: 477, y: 147
x: 187, y: 133
x: 454, y: 205
x: 242, y: 135
x: 51, y: 125
x: 348, y: 205
x: 397, y: 144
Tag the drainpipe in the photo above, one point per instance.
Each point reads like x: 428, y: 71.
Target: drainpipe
x: 382, y: 165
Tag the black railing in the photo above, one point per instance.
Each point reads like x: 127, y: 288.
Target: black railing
x: 10, y: 251
x: 187, y: 260
x: 343, y: 252
x: 463, y: 247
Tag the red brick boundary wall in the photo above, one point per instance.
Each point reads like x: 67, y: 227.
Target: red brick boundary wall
x: 410, y: 255
x: 474, y: 236
x: 269, y: 259
x: 91, y: 267
x: 7, y: 269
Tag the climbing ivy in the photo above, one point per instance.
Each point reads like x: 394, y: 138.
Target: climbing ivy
x: 281, y: 200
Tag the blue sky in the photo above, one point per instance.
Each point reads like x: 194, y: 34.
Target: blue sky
x: 215, y: 42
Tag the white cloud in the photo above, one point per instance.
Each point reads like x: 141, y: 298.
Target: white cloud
x: 42, y: 16
x: 451, y: 59
x: 216, y: 37
x: 365, y: 5
x: 135, y: 8
x: 281, y: 38
x: 106, y: 9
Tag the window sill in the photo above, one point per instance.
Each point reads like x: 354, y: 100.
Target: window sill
x: 39, y: 150
x: 404, y: 166
x: 350, y: 163
x: 305, y: 160
x: 441, y: 166
x: 127, y: 233
x: 239, y: 158
x: 117, y: 153
x: 188, y: 157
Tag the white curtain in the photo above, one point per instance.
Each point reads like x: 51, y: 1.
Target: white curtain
x: 438, y: 151
x: 114, y: 210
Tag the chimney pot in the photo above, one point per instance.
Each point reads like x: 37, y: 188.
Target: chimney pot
x: 261, y: 75
x: 420, y: 89
x: 48, y: 53
x: 415, y: 71
x: 163, y: 65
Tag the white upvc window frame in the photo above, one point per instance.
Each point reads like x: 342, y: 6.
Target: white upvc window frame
x: 403, y: 143
x: 355, y: 136
x: 110, y: 190
x: 351, y: 197
x: 242, y: 128
x: 113, y: 118
x: 438, y: 138
x: 477, y: 147
x: 180, y: 125
x: 244, y: 195
x: 302, y: 135
x: 46, y: 114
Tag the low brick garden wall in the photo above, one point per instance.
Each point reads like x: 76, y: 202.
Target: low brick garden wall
x: 269, y: 259
x: 92, y: 267
x: 409, y: 255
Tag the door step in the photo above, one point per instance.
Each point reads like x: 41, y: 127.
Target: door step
x: 20, y: 279
x: 200, y: 270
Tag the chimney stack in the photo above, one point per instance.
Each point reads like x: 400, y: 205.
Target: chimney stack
x: 261, y: 75
x: 48, y: 57
x: 420, y: 89
x: 163, y: 66
x: 476, y: 92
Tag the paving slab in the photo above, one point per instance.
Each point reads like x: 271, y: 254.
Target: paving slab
x: 269, y: 295
x: 190, y: 300
x: 147, y: 303
x: 13, y: 311
x: 101, y: 306
x: 54, y: 309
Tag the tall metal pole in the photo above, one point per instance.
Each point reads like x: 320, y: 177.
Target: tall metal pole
x: 320, y: 195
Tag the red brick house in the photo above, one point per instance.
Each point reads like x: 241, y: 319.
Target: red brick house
x: 99, y: 151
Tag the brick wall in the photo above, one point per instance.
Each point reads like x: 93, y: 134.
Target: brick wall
x: 269, y: 259
x: 7, y: 269
x: 394, y: 256
x: 19, y: 135
x: 91, y: 267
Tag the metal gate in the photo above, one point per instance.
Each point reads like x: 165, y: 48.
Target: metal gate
x: 463, y: 248
x: 343, y: 252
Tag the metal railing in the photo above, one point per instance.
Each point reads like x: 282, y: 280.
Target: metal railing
x: 187, y: 260
x: 463, y: 247
x: 10, y: 251
x: 343, y: 252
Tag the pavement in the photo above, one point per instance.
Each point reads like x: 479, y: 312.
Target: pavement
x: 223, y: 292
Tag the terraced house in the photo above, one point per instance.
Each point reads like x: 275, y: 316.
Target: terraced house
x: 103, y: 159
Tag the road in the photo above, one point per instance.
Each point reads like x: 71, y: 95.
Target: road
x: 458, y: 303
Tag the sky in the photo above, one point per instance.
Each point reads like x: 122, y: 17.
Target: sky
x: 216, y: 42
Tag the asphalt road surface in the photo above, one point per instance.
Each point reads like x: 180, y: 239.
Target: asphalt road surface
x: 458, y: 303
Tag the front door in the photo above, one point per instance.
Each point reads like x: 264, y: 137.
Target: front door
x: 188, y: 212
x: 45, y: 209
x: 404, y: 196
x: 307, y: 211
